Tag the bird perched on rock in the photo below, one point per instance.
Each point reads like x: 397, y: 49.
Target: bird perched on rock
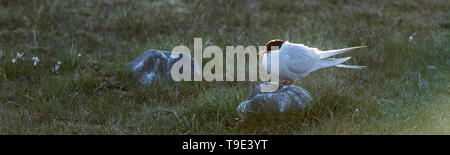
x: 297, y: 60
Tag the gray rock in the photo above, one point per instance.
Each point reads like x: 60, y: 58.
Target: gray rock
x: 157, y: 65
x: 285, y: 98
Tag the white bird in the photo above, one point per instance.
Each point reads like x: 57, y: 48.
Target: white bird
x: 297, y: 60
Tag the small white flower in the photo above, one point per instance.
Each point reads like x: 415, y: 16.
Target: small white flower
x: 411, y: 38
x: 13, y: 60
x: 431, y: 67
x: 56, y: 66
x: 356, y: 110
x: 35, y: 61
x: 19, y: 55
x: 79, y: 54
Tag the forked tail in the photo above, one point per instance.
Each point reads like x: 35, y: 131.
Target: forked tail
x: 350, y: 66
x: 325, y: 63
x: 329, y: 53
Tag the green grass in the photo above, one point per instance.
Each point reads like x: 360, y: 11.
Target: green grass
x: 404, y: 90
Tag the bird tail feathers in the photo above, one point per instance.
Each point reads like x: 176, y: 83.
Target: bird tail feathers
x: 325, y: 63
x: 350, y: 66
x: 329, y: 53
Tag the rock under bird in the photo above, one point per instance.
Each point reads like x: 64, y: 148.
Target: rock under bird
x: 297, y: 60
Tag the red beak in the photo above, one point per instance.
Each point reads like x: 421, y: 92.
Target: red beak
x: 262, y: 52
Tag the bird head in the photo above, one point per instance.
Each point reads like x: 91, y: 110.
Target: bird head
x: 276, y: 44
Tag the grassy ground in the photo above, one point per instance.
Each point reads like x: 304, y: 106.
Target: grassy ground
x: 404, y: 90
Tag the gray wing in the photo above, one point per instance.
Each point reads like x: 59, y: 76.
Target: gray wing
x: 300, y: 58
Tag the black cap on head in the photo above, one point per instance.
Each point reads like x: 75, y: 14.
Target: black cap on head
x: 275, y: 42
